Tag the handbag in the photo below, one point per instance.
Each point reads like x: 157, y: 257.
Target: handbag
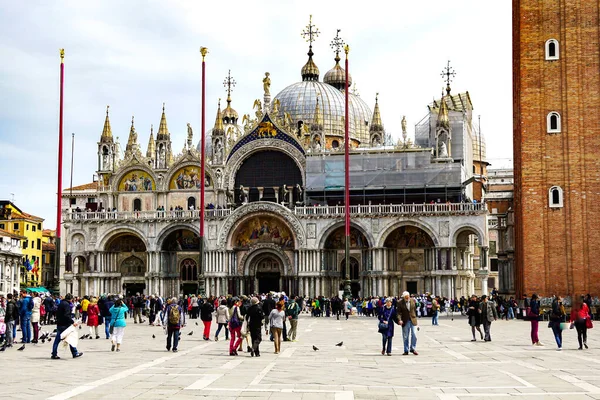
x: 383, y: 328
x: 588, y: 323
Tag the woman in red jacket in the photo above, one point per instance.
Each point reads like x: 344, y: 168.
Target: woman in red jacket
x: 580, y: 313
x: 92, y: 317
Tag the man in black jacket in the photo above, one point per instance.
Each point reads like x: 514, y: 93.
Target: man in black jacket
x: 105, y: 305
x: 267, y: 307
x: 11, y: 317
x: 255, y: 320
x: 63, y: 322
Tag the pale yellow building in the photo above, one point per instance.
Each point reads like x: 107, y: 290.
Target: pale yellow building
x: 15, y: 221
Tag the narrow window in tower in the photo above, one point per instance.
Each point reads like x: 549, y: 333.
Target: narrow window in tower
x: 553, y: 122
x: 552, y: 49
x: 555, y: 197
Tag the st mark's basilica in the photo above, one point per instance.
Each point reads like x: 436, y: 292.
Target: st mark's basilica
x: 274, y: 194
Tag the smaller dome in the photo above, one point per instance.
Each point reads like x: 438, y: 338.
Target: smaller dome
x: 207, y: 142
x: 310, y: 71
x: 336, y: 76
x: 229, y: 114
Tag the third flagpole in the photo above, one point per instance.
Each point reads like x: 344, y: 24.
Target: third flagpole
x: 347, y: 292
x: 203, y: 51
x: 60, y: 160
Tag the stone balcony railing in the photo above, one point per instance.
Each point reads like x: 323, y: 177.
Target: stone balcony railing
x: 175, y: 215
x: 306, y: 212
x: 393, y: 210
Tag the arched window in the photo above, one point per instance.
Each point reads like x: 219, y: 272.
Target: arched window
x: 191, y: 203
x: 553, y: 124
x: 137, y: 205
x: 555, y: 197
x: 552, y: 49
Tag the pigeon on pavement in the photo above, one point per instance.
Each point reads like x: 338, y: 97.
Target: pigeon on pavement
x: 21, y: 348
x: 315, y: 348
x: 191, y: 333
x: 153, y: 337
x: 340, y: 344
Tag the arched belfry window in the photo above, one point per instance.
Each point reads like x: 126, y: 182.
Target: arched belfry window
x: 552, y: 49
x: 555, y: 197
x: 553, y: 124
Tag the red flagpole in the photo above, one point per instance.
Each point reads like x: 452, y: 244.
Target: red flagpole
x: 60, y: 160
x: 203, y: 51
x: 347, y: 293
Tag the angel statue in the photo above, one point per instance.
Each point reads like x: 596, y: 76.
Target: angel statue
x: 258, y: 105
x: 275, y: 107
x: 403, y: 125
x: 247, y: 122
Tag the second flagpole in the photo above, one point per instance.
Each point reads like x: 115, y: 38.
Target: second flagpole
x: 203, y: 52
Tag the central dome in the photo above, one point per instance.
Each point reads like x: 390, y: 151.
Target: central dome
x: 299, y: 101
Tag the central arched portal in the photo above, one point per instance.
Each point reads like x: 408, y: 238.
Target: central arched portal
x: 268, y: 273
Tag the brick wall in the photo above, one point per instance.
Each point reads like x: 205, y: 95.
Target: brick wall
x: 556, y: 247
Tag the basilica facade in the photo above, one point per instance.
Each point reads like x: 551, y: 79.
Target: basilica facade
x: 274, y: 186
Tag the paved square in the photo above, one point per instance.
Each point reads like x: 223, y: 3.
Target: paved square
x: 449, y: 366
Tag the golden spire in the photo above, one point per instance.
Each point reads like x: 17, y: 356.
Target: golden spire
x: 218, y: 128
x: 163, y: 132
x: 317, y: 123
x: 376, y: 124
x: 62, y: 56
x: 132, y: 141
x: 443, y: 120
x: 151, y: 144
x: 106, y: 132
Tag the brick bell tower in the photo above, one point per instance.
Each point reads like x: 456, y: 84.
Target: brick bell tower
x: 556, y: 96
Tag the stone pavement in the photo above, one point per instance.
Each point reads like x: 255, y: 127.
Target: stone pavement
x: 449, y: 366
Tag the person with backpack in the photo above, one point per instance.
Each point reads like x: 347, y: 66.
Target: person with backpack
x: 138, y: 304
x: 10, y: 317
x: 105, y: 305
x: 235, y: 327
x: 173, y: 319
x: 255, y: 317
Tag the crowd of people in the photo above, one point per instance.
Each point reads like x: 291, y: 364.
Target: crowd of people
x: 243, y: 319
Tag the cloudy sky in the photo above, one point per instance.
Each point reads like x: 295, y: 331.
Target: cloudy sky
x: 134, y: 55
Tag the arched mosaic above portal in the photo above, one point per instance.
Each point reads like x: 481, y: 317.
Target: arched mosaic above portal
x: 136, y: 181
x: 263, y: 229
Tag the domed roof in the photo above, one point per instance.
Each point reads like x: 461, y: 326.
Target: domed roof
x: 362, y: 118
x: 336, y: 76
x: 300, y: 99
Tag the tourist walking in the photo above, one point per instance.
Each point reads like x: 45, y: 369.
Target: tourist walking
x: 580, y: 318
x: 35, y: 316
x: 10, y: 318
x: 206, y: 311
x: 84, y: 307
x: 435, y: 311
x: 138, y: 304
x: 291, y: 313
x: 105, y: 307
x: 25, y: 308
x: 222, y: 320
x: 474, y: 314
x: 488, y: 315
x: 93, y: 318
x: 557, y: 319
x: 276, y: 323
x: 387, y: 318
x: 255, y: 318
x: 63, y: 322
x: 235, y: 327
x: 533, y: 315
x: 173, y: 318
x: 407, y: 308
x: 118, y: 324
x: 347, y: 308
